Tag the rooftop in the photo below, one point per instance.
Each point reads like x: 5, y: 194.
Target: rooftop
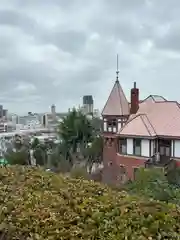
x: 117, y: 103
x: 154, y: 118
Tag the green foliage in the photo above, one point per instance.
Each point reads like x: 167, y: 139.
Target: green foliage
x: 75, y: 128
x: 20, y: 157
x: 41, y: 205
x: 40, y: 155
x: 77, y: 132
x: 35, y: 143
x: 95, y: 151
x: 173, y: 176
x: 79, y: 172
x: 152, y: 183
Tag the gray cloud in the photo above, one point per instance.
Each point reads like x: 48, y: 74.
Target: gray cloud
x: 57, y: 51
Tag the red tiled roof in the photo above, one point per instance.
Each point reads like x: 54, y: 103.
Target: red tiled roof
x: 117, y: 104
x: 159, y: 118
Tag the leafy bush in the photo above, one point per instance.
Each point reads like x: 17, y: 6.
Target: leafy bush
x: 173, y: 176
x: 38, y: 205
x: 152, y: 183
x: 20, y: 157
x: 79, y: 172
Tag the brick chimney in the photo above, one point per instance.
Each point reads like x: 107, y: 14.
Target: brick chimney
x: 134, y: 99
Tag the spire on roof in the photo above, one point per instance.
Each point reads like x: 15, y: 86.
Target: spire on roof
x: 117, y: 71
x: 117, y: 104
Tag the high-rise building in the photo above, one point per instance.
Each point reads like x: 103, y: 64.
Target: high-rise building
x: 5, y: 113
x: 53, y: 111
x: 1, y: 111
x: 88, y: 104
x: 45, y: 120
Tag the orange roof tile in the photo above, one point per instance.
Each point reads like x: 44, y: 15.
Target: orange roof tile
x: 117, y: 104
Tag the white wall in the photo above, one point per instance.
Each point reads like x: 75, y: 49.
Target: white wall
x: 172, y: 147
x: 105, y: 126
x: 145, y: 147
x: 129, y: 146
x: 119, y: 126
x: 114, y: 129
x: 177, y: 148
x: 152, y: 147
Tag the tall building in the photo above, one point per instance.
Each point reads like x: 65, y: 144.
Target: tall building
x: 53, y: 111
x: 88, y: 104
x: 1, y: 111
x: 5, y: 113
x: 45, y: 120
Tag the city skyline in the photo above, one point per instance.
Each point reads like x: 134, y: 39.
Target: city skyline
x: 50, y: 60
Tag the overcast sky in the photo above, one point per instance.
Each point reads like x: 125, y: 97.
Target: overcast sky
x: 56, y: 51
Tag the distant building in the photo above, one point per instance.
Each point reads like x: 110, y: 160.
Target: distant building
x: 5, y: 113
x: 45, y: 120
x: 88, y: 104
x: 1, y: 111
x: 53, y: 111
x: 14, y: 119
x: 6, y: 127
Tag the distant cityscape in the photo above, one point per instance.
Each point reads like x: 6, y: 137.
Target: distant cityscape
x: 42, y: 125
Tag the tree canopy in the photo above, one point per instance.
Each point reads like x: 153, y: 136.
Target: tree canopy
x: 80, y: 138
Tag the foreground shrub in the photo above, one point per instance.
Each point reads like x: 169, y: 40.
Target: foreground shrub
x: 152, y: 183
x: 38, y: 205
x: 79, y: 172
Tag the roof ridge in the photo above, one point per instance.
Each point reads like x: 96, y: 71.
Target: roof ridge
x: 108, y: 98
x: 130, y: 120
x: 150, y: 124
x: 145, y: 124
x: 121, y: 97
x: 167, y: 101
x: 154, y: 95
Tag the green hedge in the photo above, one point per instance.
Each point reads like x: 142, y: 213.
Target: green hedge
x: 38, y: 205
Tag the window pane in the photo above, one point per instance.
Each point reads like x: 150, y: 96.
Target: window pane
x: 137, y: 147
x: 137, y: 150
x: 167, y: 151
x: 161, y: 150
x: 123, y: 146
x: 124, y: 149
x: 138, y: 142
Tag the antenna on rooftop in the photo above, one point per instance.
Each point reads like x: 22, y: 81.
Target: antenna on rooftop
x: 117, y: 71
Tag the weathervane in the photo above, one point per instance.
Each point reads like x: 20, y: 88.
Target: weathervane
x: 117, y: 71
